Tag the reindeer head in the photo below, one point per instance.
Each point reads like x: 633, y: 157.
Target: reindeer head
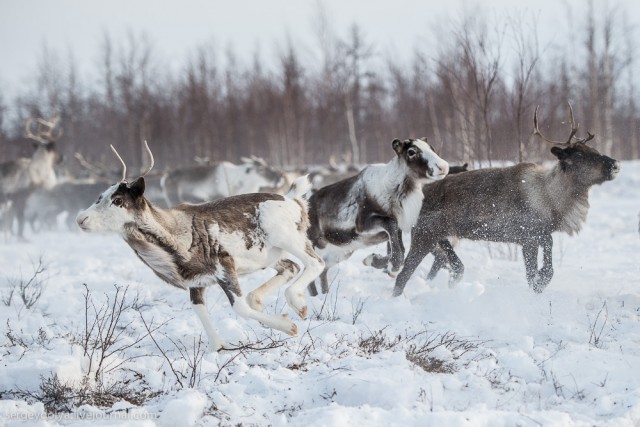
x: 421, y: 159
x: 118, y: 205
x: 267, y: 177
x: 44, y: 134
x: 585, y: 163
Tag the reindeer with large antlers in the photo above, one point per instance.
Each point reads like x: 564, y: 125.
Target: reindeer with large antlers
x: 520, y: 204
x: 20, y: 177
x: 196, y: 246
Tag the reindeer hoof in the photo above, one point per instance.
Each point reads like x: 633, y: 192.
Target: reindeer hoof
x: 538, y: 287
x: 294, y: 330
x: 368, y: 260
x: 296, y: 302
x: 454, y: 279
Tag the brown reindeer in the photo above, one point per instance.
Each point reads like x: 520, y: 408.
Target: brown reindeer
x: 521, y: 204
x: 193, y: 247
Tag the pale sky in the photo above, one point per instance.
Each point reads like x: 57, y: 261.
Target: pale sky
x: 176, y: 28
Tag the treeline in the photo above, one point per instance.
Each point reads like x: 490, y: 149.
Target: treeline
x: 472, y: 93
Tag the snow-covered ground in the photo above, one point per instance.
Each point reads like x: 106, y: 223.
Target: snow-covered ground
x: 488, y: 353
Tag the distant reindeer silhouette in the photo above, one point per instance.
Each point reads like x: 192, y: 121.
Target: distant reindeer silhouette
x: 20, y: 177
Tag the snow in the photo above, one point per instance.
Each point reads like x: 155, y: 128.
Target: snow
x: 568, y: 356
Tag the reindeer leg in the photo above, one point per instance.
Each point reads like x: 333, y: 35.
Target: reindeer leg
x: 313, y: 290
x: 324, y: 283
x: 546, y: 272
x: 324, y: 280
x: 530, y: 255
x: 285, y: 270
x: 313, y: 266
x: 446, y: 257
x: 228, y: 281
x: 400, y: 242
x: 331, y: 259
x: 419, y: 249
x: 19, y: 203
x: 440, y: 260
x: 378, y: 261
x: 397, y: 248
x: 199, y: 306
x: 390, y: 225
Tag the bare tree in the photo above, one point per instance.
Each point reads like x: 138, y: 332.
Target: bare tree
x: 472, y: 95
x: 470, y: 70
x: 524, y: 36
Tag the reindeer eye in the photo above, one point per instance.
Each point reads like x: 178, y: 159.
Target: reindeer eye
x: 117, y: 201
x: 411, y: 152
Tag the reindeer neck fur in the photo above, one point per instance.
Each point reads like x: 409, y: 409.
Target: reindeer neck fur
x: 162, y: 239
x: 40, y: 168
x: 395, y: 189
x: 168, y: 224
x: 566, y: 199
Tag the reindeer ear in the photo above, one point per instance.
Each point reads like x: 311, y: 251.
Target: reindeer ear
x: 560, y: 153
x: 397, y: 146
x: 424, y: 138
x: 136, y: 188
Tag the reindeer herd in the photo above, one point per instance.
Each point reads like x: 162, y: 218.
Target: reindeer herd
x: 214, y: 223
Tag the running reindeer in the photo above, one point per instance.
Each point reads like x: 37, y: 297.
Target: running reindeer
x: 373, y: 206
x: 521, y: 204
x: 20, y: 177
x: 195, y: 246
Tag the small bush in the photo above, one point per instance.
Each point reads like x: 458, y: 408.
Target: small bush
x: 420, y: 348
x: 60, y: 396
x: 29, y: 290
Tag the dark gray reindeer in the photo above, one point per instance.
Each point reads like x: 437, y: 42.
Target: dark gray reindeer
x: 373, y: 206
x: 20, y: 177
x: 520, y: 204
x: 196, y: 246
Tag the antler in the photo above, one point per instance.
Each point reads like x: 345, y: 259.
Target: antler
x: 572, y: 135
x: 151, y: 156
x: 45, y: 129
x: 124, y: 165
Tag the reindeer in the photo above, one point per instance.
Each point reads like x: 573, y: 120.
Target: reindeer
x: 204, y: 183
x: 373, y: 206
x: 20, y: 177
x: 520, y: 204
x: 195, y: 246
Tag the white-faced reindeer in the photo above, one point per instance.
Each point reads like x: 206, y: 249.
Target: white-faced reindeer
x: 374, y: 206
x: 204, y: 183
x: 196, y: 246
x: 20, y: 177
x: 520, y: 204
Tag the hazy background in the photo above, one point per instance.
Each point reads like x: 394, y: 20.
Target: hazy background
x: 176, y: 27
x: 297, y: 82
